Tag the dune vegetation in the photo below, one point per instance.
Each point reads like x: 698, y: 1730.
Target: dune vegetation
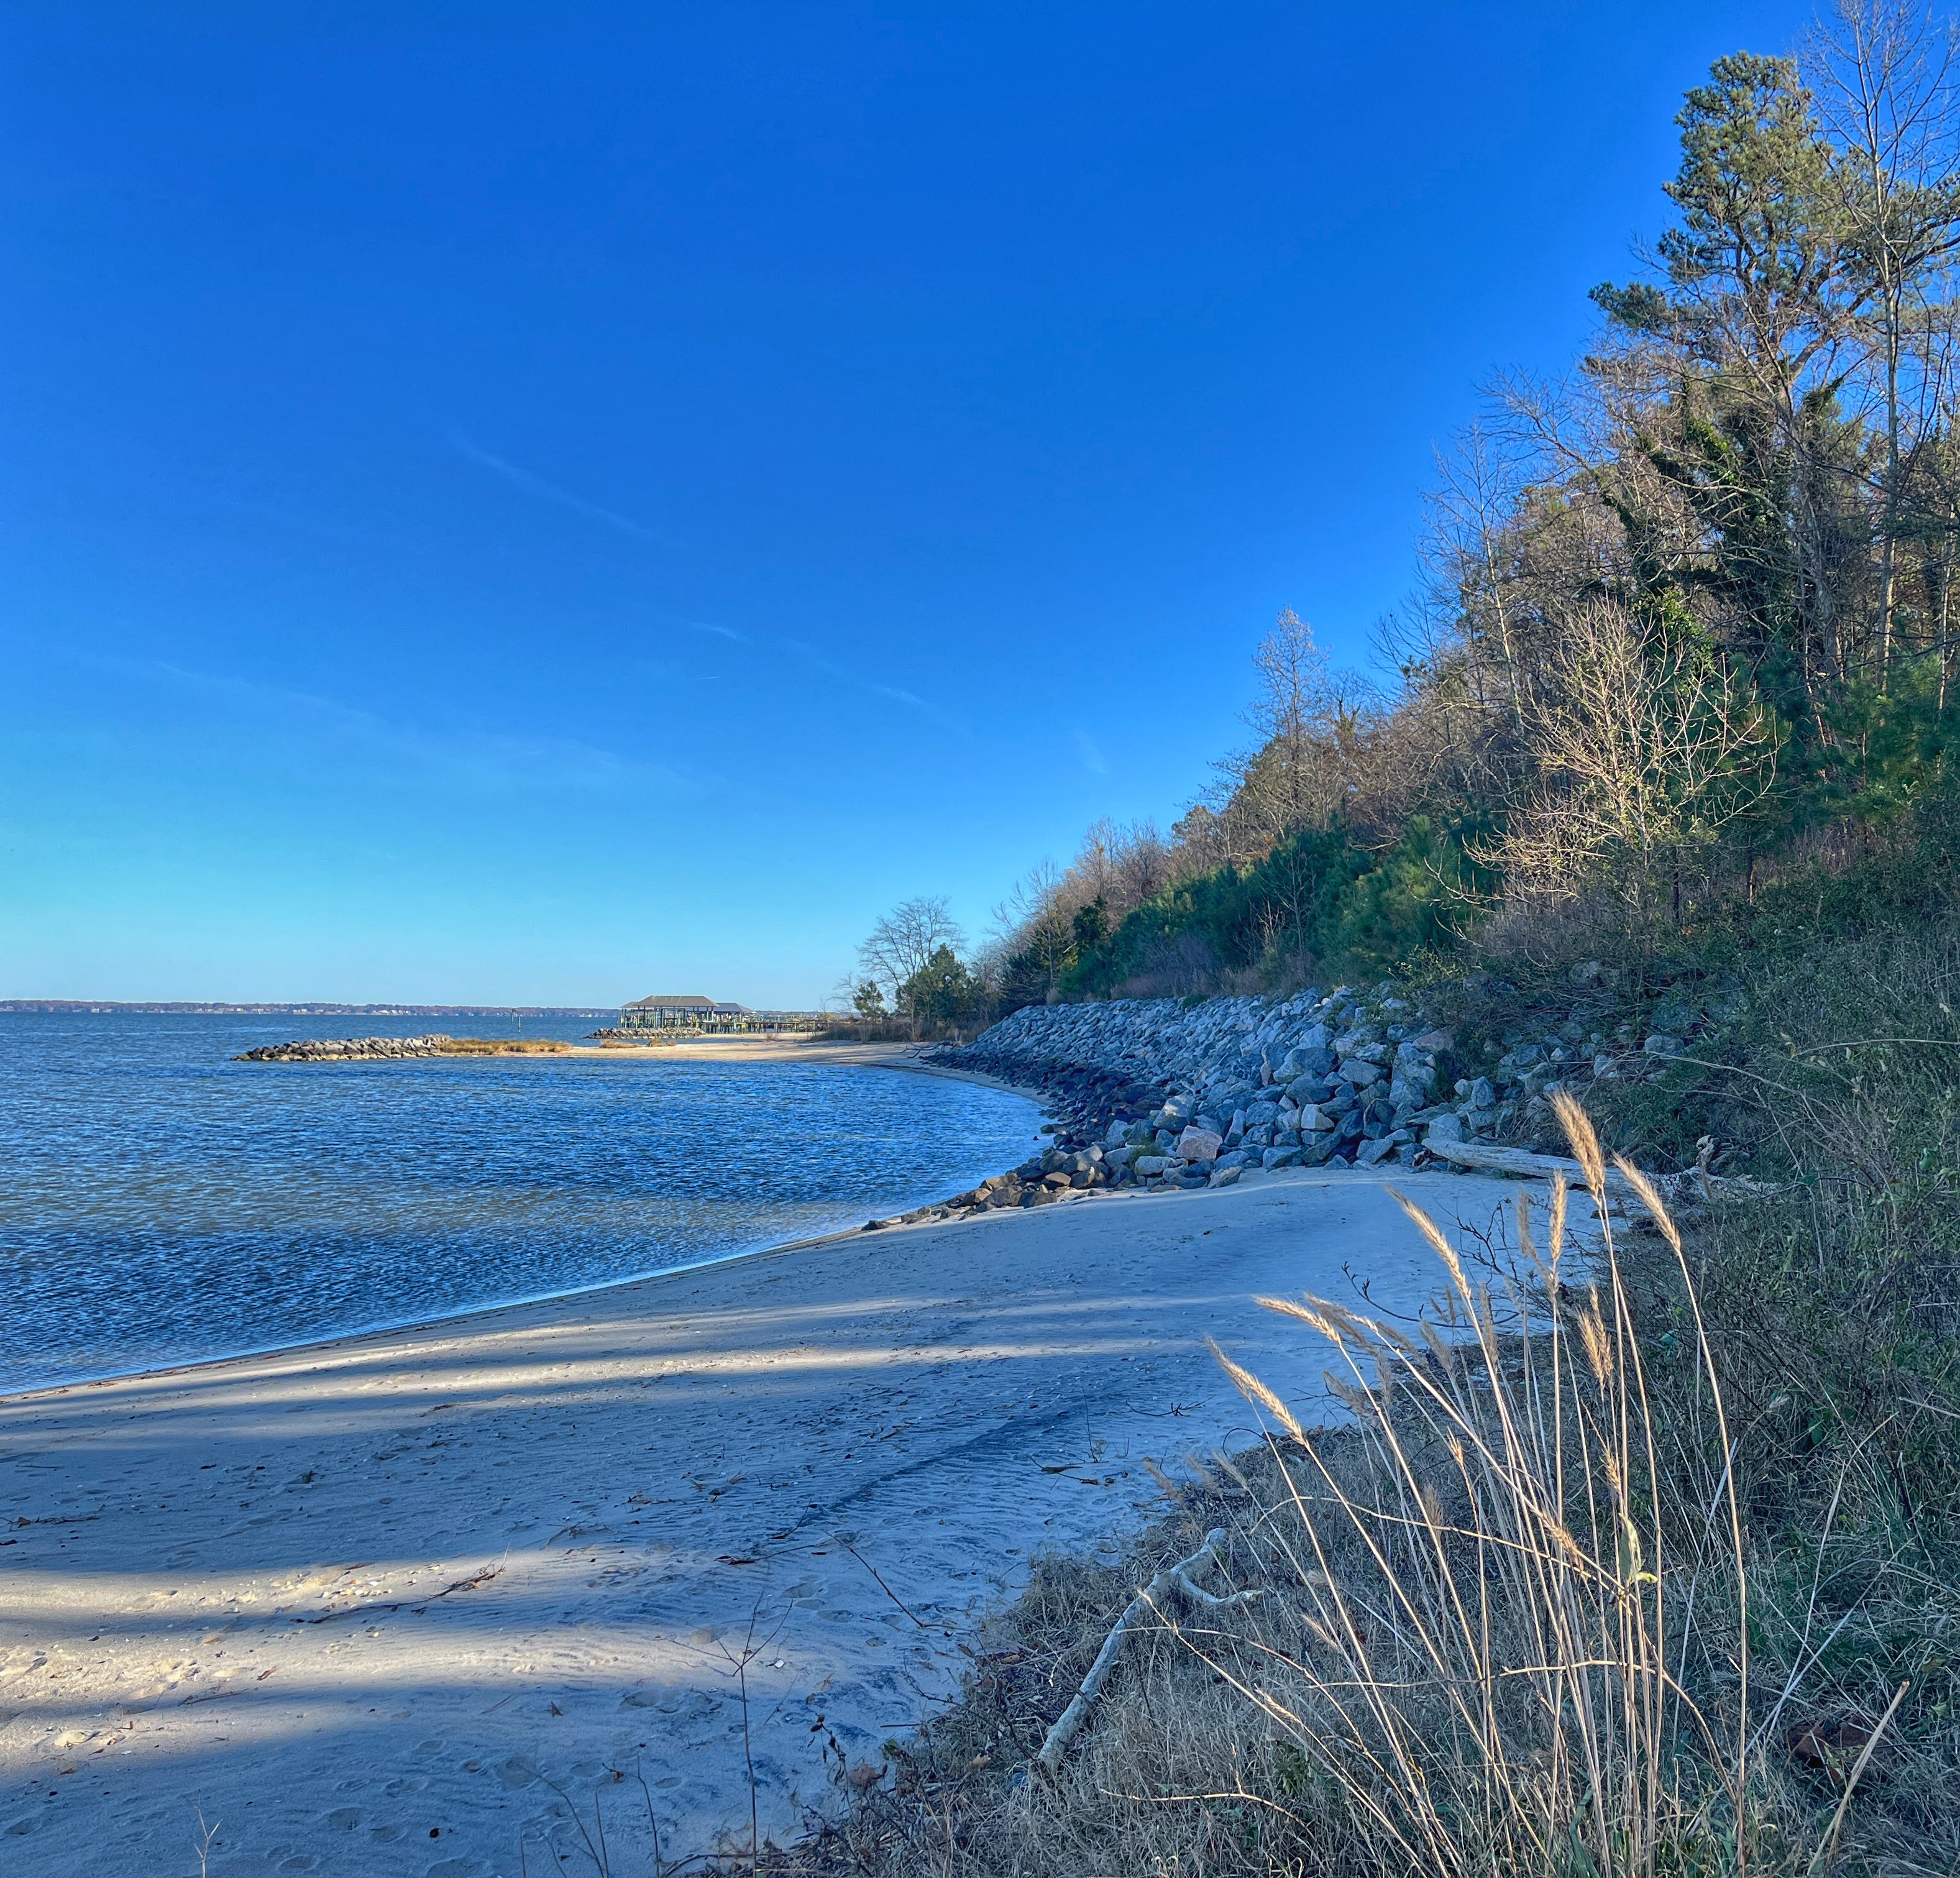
x: 502, y: 1046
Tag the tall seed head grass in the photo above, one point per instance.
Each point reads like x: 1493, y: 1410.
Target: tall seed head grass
x: 1500, y: 1668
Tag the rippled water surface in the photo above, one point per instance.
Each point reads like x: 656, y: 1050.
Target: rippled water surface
x: 160, y: 1203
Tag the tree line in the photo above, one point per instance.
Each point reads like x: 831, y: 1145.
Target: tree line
x: 1686, y: 620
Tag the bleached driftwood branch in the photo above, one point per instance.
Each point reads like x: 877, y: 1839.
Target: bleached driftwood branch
x: 1171, y: 1579
x: 1528, y: 1166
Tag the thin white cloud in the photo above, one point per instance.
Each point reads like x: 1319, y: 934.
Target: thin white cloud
x: 1092, y: 756
x: 537, y: 485
x: 873, y: 688
x: 478, y: 761
x: 809, y: 657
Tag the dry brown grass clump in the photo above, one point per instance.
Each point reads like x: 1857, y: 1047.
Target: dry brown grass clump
x: 502, y: 1046
x: 1519, y: 1617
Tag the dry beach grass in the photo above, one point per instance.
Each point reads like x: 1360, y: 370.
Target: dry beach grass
x: 502, y: 1046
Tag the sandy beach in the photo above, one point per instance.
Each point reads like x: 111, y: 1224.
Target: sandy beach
x: 398, y: 1604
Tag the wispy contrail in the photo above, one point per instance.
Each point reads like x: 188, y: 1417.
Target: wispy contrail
x: 807, y: 655
x: 537, y: 485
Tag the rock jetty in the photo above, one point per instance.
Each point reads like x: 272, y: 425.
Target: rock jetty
x: 1170, y: 1093
x: 347, y: 1049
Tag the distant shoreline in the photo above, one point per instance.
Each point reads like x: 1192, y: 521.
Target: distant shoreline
x: 188, y: 1008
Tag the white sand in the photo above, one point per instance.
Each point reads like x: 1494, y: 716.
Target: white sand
x: 361, y: 1605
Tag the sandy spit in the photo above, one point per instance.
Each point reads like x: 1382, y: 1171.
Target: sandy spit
x: 398, y: 1604
x: 767, y: 1049
x: 900, y: 1056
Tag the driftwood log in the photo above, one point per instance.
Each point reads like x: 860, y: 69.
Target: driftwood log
x: 1695, y: 1184
x: 1172, y: 1581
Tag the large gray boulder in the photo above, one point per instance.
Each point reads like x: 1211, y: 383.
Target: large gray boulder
x: 1373, y: 1154
x: 1411, y: 1084
x: 1199, y: 1143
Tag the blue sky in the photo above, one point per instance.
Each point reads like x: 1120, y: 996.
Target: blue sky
x: 546, y: 504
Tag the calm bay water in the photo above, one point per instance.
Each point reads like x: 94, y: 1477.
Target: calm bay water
x: 160, y: 1203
